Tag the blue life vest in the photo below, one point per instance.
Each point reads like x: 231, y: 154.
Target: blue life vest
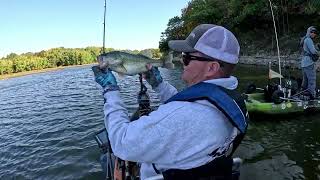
x: 229, y: 102
x: 232, y: 105
x: 314, y: 57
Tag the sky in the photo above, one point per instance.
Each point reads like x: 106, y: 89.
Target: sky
x: 35, y: 25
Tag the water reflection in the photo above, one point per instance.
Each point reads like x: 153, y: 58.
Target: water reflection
x: 48, y: 121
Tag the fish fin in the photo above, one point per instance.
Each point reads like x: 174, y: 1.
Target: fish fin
x: 121, y: 75
x: 145, y: 56
x: 120, y: 69
x: 168, y: 61
x: 146, y: 53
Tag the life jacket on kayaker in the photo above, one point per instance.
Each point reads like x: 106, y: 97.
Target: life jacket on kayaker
x: 232, y: 105
x: 304, y: 50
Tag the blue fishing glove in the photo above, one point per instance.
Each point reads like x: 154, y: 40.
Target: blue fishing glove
x: 105, y: 78
x: 153, y: 77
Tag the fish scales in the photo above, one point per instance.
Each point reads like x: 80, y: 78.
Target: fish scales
x: 129, y: 64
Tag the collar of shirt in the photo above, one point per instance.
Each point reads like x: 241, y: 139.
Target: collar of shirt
x: 228, y: 83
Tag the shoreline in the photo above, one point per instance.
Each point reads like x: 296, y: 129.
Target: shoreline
x: 19, y: 74
x: 292, y: 61
x: 263, y: 60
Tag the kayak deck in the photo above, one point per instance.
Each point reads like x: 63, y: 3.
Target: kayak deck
x: 256, y: 104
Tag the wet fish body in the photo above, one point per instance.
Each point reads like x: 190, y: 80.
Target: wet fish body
x: 129, y: 64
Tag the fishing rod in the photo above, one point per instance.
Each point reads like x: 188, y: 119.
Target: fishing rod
x: 104, y: 27
x: 102, y: 136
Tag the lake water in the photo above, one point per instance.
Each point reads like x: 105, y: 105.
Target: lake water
x: 48, y: 121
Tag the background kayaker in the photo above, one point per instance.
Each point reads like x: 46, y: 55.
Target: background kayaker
x: 309, y: 56
x: 183, y: 138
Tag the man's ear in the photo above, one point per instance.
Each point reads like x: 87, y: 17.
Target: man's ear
x: 213, y: 68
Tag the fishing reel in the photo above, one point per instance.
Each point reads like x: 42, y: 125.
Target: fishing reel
x: 107, y: 158
x: 102, y: 140
x: 144, y: 104
x: 143, y: 99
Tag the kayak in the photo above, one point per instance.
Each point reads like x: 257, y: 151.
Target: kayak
x: 256, y: 104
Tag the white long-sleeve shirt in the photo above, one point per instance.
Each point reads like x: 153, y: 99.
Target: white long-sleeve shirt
x: 178, y: 135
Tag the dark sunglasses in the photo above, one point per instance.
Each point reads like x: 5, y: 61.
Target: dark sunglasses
x: 314, y: 32
x: 186, y: 58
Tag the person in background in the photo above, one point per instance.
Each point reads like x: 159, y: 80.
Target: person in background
x: 309, y: 56
x: 194, y: 133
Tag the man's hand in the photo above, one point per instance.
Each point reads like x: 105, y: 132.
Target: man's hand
x: 105, y: 78
x: 153, y: 76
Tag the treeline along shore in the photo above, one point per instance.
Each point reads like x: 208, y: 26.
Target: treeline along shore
x: 17, y: 65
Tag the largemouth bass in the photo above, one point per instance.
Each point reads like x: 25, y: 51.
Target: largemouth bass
x: 129, y: 64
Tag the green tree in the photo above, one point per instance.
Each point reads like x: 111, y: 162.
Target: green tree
x: 175, y: 30
x: 11, y: 55
x: 6, y: 66
x: 250, y: 20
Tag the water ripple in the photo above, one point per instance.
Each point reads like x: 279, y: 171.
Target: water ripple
x: 48, y: 120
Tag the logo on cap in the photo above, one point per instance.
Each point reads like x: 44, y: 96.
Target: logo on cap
x: 193, y: 35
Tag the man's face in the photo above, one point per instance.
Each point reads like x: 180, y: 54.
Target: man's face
x: 195, y: 71
x: 313, y: 35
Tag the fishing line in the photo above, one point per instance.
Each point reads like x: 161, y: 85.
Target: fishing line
x: 275, y: 31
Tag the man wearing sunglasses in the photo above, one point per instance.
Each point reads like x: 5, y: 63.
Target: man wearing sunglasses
x: 310, y: 56
x: 193, y: 135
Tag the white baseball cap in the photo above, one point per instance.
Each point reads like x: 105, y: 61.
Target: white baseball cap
x: 214, y: 41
